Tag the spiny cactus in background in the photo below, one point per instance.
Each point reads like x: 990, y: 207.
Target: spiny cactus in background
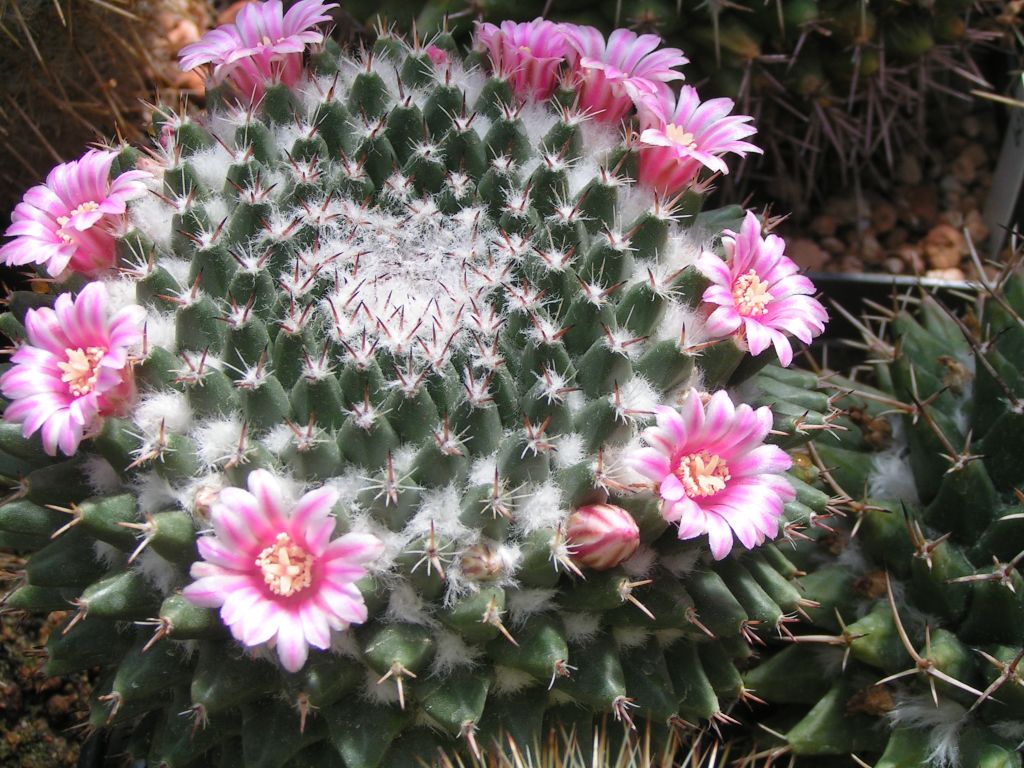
x: 353, y: 410
x: 68, y: 80
x: 919, y: 620
x: 836, y: 85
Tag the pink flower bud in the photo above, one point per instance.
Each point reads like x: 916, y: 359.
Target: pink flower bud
x: 438, y: 56
x: 528, y: 53
x: 602, y: 535
x: 482, y: 562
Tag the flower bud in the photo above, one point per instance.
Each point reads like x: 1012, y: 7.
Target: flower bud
x: 601, y: 536
x: 438, y: 56
x: 482, y: 562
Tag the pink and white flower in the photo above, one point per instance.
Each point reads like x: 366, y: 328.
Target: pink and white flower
x: 529, y: 53
x: 67, y: 223
x: 73, y: 368
x: 264, y: 45
x: 600, y: 536
x: 613, y: 75
x: 274, y: 571
x: 759, y: 294
x: 681, y: 136
x: 714, y: 473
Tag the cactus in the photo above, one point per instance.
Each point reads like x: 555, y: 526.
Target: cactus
x: 838, y: 86
x: 332, y: 435
x: 918, y: 600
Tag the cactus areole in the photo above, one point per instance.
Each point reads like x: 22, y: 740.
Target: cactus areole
x: 334, y: 423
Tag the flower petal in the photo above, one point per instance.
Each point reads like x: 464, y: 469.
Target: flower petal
x: 292, y: 649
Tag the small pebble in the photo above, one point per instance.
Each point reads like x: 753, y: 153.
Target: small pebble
x: 894, y: 265
x: 964, y: 169
x: 883, y: 217
x: 909, y: 170
x: 851, y: 264
x: 834, y: 245
x: 824, y: 225
x: 896, y: 238
x: 976, y: 153
x: 976, y: 226
x: 951, y: 183
x: 953, y: 218
x: 943, y: 247
x: 971, y: 126
x: 924, y: 205
x: 871, y: 250
x: 912, y: 257
x: 807, y: 254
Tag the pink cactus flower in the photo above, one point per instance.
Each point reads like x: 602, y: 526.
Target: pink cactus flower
x: 66, y: 223
x: 274, y: 571
x: 759, y: 294
x: 264, y: 45
x: 679, y: 137
x: 713, y: 472
x: 600, y: 536
x: 529, y: 53
x: 73, y: 369
x: 613, y: 75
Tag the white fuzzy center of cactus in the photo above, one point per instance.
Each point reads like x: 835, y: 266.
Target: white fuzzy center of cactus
x: 415, y: 283
x: 751, y: 295
x: 287, y: 568
x: 86, y: 207
x: 680, y: 136
x: 702, y: 474
x: 79, y: 370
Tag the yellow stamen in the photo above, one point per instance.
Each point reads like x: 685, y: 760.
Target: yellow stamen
x: 85, y: 207
x: 702, y: 474
x: 287, y: 568
x: 79, y: 372
x: 680, y: 136
x: 751, y: 295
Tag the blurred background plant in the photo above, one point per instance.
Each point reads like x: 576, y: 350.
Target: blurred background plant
x: 77, y: 71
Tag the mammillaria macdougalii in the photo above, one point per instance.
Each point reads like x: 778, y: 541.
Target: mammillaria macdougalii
x: 417, y: 295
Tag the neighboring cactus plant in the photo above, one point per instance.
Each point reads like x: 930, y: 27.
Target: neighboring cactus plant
x: 444, y: 310
x: 920, y: 603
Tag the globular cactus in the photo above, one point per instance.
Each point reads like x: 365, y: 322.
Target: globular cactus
x: 917, y: 630
x: 352, y: 380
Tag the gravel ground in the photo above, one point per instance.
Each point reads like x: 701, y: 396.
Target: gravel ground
x: 38, y: 714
